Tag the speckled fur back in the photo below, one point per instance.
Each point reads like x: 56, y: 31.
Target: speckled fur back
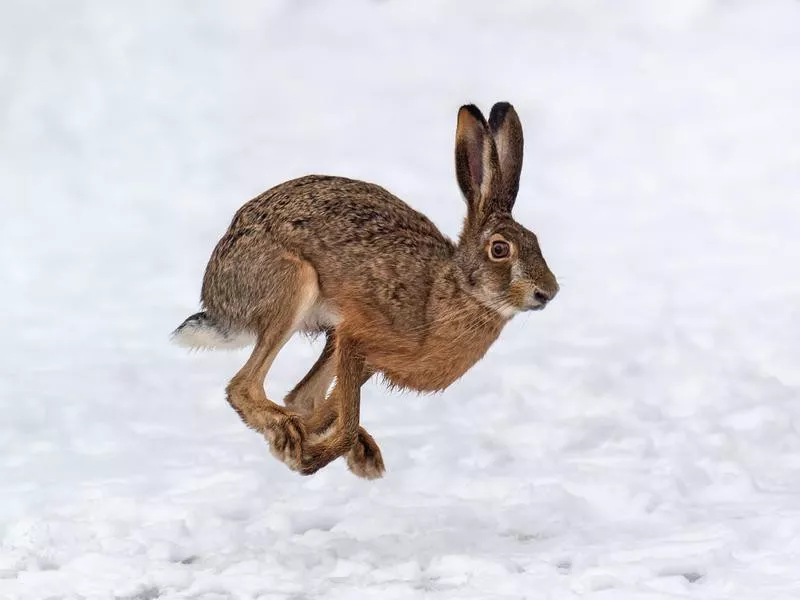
x: 363, y: 242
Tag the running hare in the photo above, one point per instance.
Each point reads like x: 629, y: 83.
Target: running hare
x: 391, y: 293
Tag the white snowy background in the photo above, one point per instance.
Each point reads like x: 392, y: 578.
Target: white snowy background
x: 639, y: 439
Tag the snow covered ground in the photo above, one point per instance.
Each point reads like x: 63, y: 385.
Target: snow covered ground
x: 639, y: 439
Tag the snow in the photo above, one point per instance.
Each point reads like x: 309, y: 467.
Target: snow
x: 639, y: 439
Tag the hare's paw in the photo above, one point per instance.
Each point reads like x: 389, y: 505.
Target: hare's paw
x: 318, y: 454
x: 364, y: 458
x: 286, y: 439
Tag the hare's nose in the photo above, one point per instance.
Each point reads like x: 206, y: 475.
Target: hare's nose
x: 542, y: 297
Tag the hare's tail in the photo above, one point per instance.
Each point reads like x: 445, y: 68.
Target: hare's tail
x: 201, y: 330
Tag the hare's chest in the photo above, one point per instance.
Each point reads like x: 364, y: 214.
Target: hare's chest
x: 443, y: 358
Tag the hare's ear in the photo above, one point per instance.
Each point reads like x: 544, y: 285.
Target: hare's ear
x: 477, y: 168
x: 507, y: 134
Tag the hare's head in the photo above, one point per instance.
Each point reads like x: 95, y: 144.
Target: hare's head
x: 500, y: 260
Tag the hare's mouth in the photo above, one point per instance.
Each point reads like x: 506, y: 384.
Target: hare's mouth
x: 534, y: 306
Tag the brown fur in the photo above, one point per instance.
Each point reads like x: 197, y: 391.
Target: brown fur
x: 393, y: 295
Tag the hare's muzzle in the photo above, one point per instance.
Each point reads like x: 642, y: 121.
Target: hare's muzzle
x: 539, y: 298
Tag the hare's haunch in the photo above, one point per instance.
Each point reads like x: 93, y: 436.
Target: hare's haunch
x: 390, y: 292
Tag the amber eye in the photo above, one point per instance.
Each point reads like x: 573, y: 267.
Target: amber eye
x: 500, y: 250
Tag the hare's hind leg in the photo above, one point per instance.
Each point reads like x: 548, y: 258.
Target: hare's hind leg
x: 277, y: 322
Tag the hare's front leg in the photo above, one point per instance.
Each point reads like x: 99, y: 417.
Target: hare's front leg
x: 320, y: 412
x: 337, y: 420
x: 364, y: 458
x: 309, y: 394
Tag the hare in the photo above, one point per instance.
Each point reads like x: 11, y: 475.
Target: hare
x: 392, y: 294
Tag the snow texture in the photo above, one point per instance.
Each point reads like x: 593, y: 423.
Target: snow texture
x: 636, y: 440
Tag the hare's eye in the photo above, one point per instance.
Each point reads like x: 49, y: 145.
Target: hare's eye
x: 500, y: 250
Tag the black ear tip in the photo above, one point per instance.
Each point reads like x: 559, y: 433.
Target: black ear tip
x: 499, y: 112
x: 474, y: 112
